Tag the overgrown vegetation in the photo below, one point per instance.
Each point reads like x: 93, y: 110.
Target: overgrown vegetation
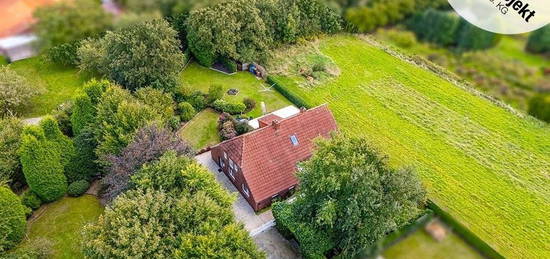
x: 15, y: 92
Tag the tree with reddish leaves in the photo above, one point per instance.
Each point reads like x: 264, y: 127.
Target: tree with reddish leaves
x: 149, y: 144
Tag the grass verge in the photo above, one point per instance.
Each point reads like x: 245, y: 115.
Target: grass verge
x: 202, y: 130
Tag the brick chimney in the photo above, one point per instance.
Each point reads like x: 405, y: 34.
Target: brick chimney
x: 275, y: 124
x: 303, y: 109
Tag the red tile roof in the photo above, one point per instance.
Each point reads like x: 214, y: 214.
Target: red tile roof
x: 268, y: 157
x: 17, y: 15
x: 267, y: 119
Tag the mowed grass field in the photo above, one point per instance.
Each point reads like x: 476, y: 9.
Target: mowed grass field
x: 59, y: 84
x: 484, y: 165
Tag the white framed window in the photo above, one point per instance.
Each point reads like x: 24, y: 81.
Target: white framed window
x: 231, y: 164
x: 294, y: 140
x: 245, y: 190
x: 231, y: 174
x: 221, y: 163
x: 224, y: 155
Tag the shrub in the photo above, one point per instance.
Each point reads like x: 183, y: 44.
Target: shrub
x: 12, y: 219
x: 42, y: 165
x: 148, y: 145
x: 62, y: 115
x: 78, y: 188
x: 228, y: 131
x: 84, y: 165
x: 278, y: 84
x: 64, y: 54
x: 539, y: 40
x: 439, y: 27
x: 403, y: 39
x: 539, y: 107
x: 215, y: 92
x: 186, y: 110
x: 160, y: 101
x: 84, y: 113
x: 249, y: 103
x: 197, y: 100
x: 15, y: 91
x: 31, y: 200
x: 10, y: 136
x: 471, y: 37
x: 231, y: 108
x: 242, y: 127
x: 119, y: 116
x: 62, y: 144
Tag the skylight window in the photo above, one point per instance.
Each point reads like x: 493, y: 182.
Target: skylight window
x: 294, y: 140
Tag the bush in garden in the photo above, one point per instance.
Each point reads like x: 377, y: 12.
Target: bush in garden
x: 83, y: 115
x: 242, y: 127
x: 78, y: 188
x: 231, y: 108
x: 229, y: 64
x: 539, y: 40
x: 249, y: 103
x: 36, y: 249
x: 12, y: 219
x: 148, y: 145
x: 15, y: 92
x: 228, y: 131
x: 186, y: 110
x: 215, y: 92
x: 10, y: 135
x: 61, y: 144
x: 31, y: 200
x: 42, y: 165
x: 124, y: 54
x: 197, y: 100
x: 160, y: 101
x: 539, y: 107
x: 62, y: 115
x: 119, y: 116
x: 95, y: 89
x: 64, y: 54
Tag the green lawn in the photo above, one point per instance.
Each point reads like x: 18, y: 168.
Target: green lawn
x: 202, y: 130
x: 484, y: 165
x: 201, y: 78
x: 422, y: 245
x: 61, y: 84
x: 505, y: 71
x: 61, y: 223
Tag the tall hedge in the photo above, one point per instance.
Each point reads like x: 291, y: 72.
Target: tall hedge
x: 539, y: 41
x: 83, y: 113
x: 42, y: 165
x: 539, y: 107
x: 12, y: 219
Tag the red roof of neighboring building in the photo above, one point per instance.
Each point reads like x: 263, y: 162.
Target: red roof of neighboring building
x: 267, y: 156
x: 17, y: 15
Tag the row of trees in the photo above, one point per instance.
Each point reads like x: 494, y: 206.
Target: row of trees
x: 381, y: 13
x: 348, y: 200
x: 245, y: 30
x: 449, y: 30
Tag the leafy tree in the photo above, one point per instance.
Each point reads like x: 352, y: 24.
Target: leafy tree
x: 539, y: 107
x: 150, y: 223
x: 119, y: 116
x: 142, y: 54
x: 42, y: 165
x: 436, y: 26
x: 62, y: 25
x: 186, y: 110
x: 158, y: 100
x: 215, y: 92
x: 15, y: 91
x: 148, y: 145
x: 12, y: 219
x: 10, y: 135
x: 180, y: 175
x: 471, y: 37
x: 539, y: 40
x: 350, y: 194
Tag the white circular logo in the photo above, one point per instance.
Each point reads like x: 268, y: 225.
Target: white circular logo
x: 504, y: 16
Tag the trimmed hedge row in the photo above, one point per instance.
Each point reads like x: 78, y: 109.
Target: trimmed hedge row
x: 466, y: 234
x: 78, y: 188
x: 231, y: 108
x: 279, y: 86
